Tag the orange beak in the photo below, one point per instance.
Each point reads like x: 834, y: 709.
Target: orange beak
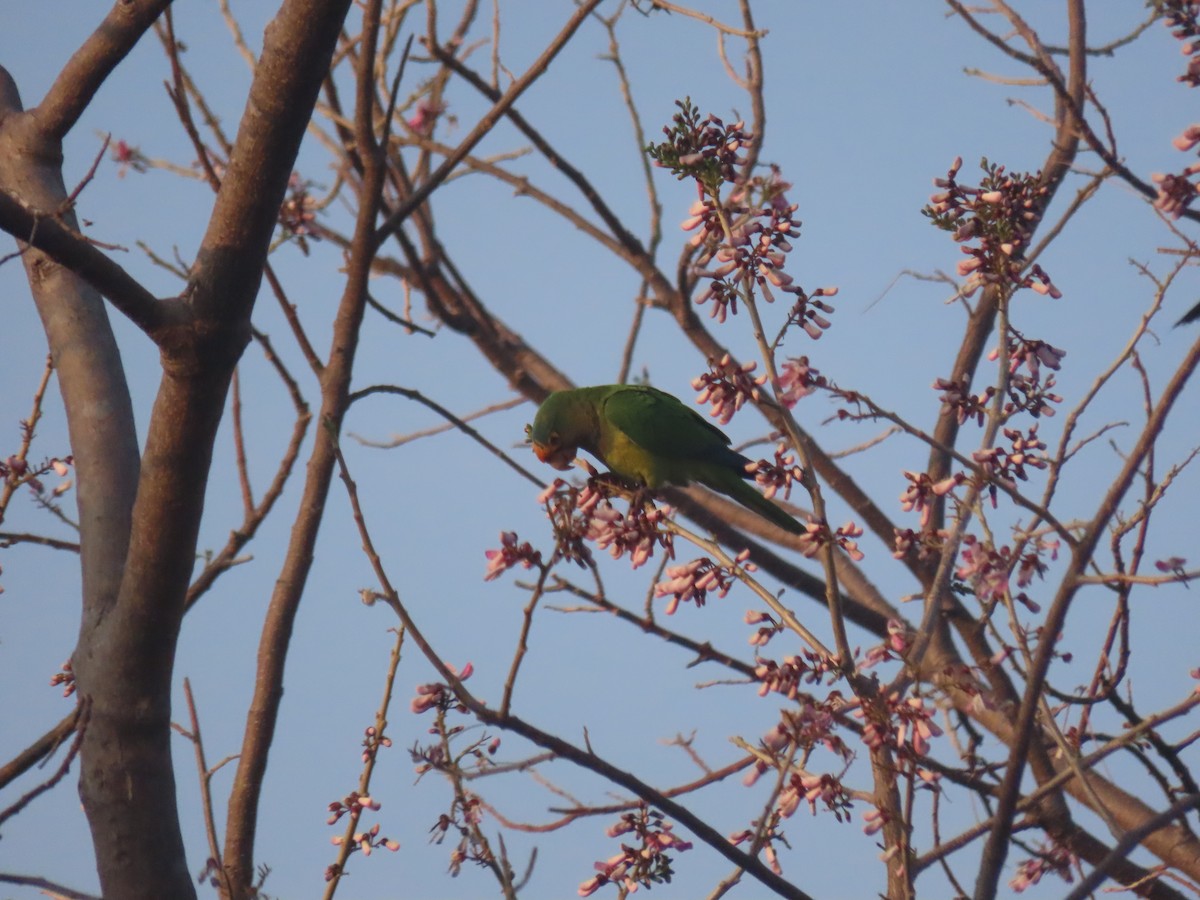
x: 559, y: 458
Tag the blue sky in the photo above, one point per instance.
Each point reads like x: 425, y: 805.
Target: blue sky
x: 866, y: 104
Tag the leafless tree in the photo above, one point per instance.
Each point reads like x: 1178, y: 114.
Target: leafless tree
x: 956, y: 695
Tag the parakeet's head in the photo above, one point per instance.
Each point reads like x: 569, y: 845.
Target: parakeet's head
x: 552, y: 433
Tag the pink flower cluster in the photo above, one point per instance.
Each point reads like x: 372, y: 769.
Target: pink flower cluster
x: 927, y: 543
x: 1177, y: 192
x: 812, y: 724
x: 957, y: 399
x: 1027, y: 390
x: 1003, y: 465
x: 353, y: 803
x: 743, y: 242
x: 1183, y: 17
x: 299, y: 209
x: 727, y: 387
x: 510, y: 554
x: 435, y: 695
x: 366, y: 841
x: 797, y: 379
x: 372, y: 742
x: 987, y: 570
x: 826, y: 789
x: 587, y: 514
x: 705, y: 149
x: 809, y: 309
x: 902, y: 724
x: 817, y: 534
x: 693, y: 581
x: 922, y: 490
x: 898, y: 640
x: 1000, y: 215
x: 16, y: 471
x: 65, y: 677
x: 1051, y: 859
x: 785, y: 677
x: 636, y: 866
x: 636, y: 533
x: 777, y: 476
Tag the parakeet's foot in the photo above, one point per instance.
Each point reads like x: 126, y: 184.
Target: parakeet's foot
x: 613, y: 483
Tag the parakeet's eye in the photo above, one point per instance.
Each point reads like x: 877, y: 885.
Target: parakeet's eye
x: 554, y: 440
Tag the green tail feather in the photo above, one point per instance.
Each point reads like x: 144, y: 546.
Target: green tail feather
x: 730, y: 484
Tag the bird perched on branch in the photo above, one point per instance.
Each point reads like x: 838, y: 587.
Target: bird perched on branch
x: 649, y: 438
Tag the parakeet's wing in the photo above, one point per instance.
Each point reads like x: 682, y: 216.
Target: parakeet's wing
x: 662, y: 425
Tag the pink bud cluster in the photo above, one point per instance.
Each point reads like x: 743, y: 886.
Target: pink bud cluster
x: 768, y: 627
x: 299, y: 209
x: 636, y: 533
x: 812, y: 724
x: 373, y: 740
x: 727, y: 387
x: 425, y: 116
x: 826, y: 789
x: 1051, y: 859
x: 987, y: 569
x: 66, y: 677
x: 898, y: 639
x: 1027, y: 390
x: 777, y: 476
x: 435, y: 695
x: 902, y: 724
x: 511, y: 553
x: 785, y: 677
x: 958, y: 400
x: 1032, y: 355
x: 366, y: 841
x: 927, y: 543
x: 743, y: 242
x: 1183, y: 18
x: 809, y: 309
x: 17, y: 472
x: 706, y: 149
x: 354, y: 803
x: 1000, y: 216
x: 797, y: 379
x: 569, y: 509
x: 817, y: 534
x: 642, y: 864
x: 1029, y: 395
x: 921, y: 491
x: 1177, y: 192
x: 1003, y: 465
x: 694, y: 580
x: 587, y: 514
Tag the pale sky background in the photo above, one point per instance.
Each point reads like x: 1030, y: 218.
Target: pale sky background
x: 867, y: 102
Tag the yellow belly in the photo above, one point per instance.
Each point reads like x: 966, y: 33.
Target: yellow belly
x: 629, y: 460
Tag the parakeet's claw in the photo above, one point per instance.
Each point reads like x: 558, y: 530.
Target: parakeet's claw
x: 613, y: 480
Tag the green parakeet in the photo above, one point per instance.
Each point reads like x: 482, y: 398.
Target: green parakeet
x: 648, y: 437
